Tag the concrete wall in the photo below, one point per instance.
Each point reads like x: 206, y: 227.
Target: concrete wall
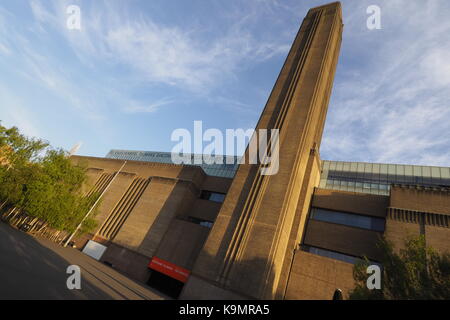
x: 299, y: 223
x: 204, y: 210
x: 182, y: 243
x: 113, y: 194
x: 359, y: 203
x: 418, y: 210
x: 167, y: 202
x: 438, y: 238
x: 421, y: 199
x: 343, y: 239
x: 129, y: 262
x: 315, y: 277
x: 397, y: 232
x: 144, y: 205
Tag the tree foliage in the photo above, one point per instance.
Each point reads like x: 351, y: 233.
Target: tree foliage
x: 416, y: 272
x: 42, y: 182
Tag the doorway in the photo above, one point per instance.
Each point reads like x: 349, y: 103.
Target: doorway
x: 165, y: 284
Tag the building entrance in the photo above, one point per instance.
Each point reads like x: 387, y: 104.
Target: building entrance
x: 165, y: 284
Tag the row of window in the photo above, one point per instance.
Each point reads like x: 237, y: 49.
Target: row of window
x: 335, y: 255
x: 225, y: 173
x: 353, y: 184
x: 372, y: 188
x: 218, y: 170
x: 348, y: 219
x: 376, y: 178
x: 331, y: 254
x: 387, y: 169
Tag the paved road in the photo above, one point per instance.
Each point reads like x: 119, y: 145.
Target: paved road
x: 35, y: 268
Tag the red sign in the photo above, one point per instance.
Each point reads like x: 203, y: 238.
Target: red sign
x: 169, y: 269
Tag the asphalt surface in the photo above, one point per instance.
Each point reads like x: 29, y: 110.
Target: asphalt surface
x: 35, y: 268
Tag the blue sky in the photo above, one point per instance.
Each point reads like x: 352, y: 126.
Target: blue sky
x: 139, y: 69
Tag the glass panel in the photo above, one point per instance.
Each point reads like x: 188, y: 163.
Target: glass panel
x: 391, y: 171
x: 360, y: 170
x: 435, y: 172
x: 445, y: 173
x: 417, y: 171
x: 348, y: 219
x: 377, y: 224
x: 400, y: 177
x: 376, y: 172
x: 346, y: 167
x: 426, y: 172
x: 333, y: 255
x: 445, y: 176
x: 332, y: 166
x: 383, y: 173
x: 409, y: 174
x: 400, y: 170
x: 368, y: 172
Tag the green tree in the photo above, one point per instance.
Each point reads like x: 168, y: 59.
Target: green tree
x: 17, y: 156
x: 54, y: 195
x: 416, y: 272
x: 42, y: 182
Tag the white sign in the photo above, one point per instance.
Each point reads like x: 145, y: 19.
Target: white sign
x: 94, y: 249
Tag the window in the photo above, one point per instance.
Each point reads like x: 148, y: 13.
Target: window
x: 335, y: 255
x: 331, y: 254
x: 204, y: 223
x: 207, y: 224
x: 348, y: 219
x: 212, y: 196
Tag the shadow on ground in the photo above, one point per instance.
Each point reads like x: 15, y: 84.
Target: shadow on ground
x: 35, y: 268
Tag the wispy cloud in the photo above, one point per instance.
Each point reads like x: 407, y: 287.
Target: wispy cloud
x: 391, y: 104
x: 166, y: 54
x: 391, y: 95
x: 153, y: 107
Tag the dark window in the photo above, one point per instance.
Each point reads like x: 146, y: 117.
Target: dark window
x: 348, y: 219
x: 213, y: 196
x: 204, y: 223
x: 335, y: 255
x: 331, y: 254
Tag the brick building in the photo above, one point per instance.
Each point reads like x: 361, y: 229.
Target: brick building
x: 199, y: 232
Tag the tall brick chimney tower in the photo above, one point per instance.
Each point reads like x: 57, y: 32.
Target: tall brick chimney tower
x: 249, y: 250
